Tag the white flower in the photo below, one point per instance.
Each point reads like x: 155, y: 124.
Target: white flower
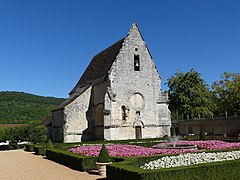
x: 191, y: 159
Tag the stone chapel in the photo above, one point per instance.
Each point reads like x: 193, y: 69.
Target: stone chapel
x: 118, y: 97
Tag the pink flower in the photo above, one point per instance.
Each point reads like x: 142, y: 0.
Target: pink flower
x: 125, y: 150
x: 210, y: 144
x: 133, y: 150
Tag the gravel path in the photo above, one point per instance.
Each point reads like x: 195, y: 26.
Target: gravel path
x: 21, y: 165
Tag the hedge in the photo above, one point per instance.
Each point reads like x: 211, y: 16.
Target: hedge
x: 129, y: 169
x: 140, y: 142
x: 73, y: 161
x: 4, y: 147
x: 29, y: 147
x: 39, y: 150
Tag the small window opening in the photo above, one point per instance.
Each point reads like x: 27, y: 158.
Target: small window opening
x: 136, y: 63
x: 136, y: 49
x: 138, y: 113
x: 124, y: 114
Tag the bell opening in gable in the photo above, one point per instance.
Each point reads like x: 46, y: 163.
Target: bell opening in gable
x: 136, y: 63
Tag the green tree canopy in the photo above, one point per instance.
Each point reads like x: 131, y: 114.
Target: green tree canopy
x: 24, y: 108
x: 30, y: 133
x: 189, y: 96
x: 227, y: 92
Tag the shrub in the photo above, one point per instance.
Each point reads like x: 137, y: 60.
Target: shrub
x: 73, y: 161
x: 39, y: 150
x: 173, y: 131
x: 49, y: 144
x: 29, y: 147
x: 103, y: 155
x: 13, y: 144
x: 202, y: 135
x: 129, y: 169
x: 4, y: 147
x: 38, y: 134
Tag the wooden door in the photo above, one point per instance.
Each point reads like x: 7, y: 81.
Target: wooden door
x: 138, y: 130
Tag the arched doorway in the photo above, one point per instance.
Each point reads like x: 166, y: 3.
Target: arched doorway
x: 138, y: 132
x: 138, y: 125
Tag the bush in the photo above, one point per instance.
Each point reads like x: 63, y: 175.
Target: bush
x: 39, y: 150
x: 71, y: 160
x: 103, y: 155
x: 173, y: 131
x: 49, y: 144
x: 38, y: 134
x: 29, y: 147
x: 74, y: 161
x: 4, y: 147
x: 30, y: 133
x: 13, y: 144
x: 202, y: 135
x: 129, y: 169
x: 140, y: 142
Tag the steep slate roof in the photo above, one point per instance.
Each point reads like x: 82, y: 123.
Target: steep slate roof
x: 47, y: 121
x: 68, y: 101
x: 100, y: 65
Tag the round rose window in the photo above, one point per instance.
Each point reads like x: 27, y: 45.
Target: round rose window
x: 137, y: 101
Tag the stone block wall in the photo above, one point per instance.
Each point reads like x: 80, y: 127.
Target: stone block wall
x: 137, y: 91
x: 57, y: 125
x: 78, y: 117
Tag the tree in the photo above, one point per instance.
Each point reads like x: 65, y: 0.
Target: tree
x: 189, y: 96
x: 38, y: 134
x: 227, y: 91
x: 23, y: 108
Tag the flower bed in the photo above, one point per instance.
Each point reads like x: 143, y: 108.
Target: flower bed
x: 125, y: 150
x: 209, y: 144
x: 191, y: 159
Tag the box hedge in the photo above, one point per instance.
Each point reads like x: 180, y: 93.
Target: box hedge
x: 74, y: 161
x: 129, y: 169
x: 29, y: 147
x: 4, y: 147
x: 71, y: 160
x: 39, y: 150
x: 103, y: 156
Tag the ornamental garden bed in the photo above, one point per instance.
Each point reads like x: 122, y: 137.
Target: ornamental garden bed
x: 130, y: 168
x: 128, y: 158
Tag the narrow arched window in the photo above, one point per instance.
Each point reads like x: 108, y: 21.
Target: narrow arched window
x: 136, y: 63
x: 124, y: 114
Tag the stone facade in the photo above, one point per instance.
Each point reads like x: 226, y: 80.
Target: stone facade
x: 125, y: 102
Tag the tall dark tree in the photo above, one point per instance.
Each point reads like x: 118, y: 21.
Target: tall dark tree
x: 227, y: 91
x: 189, y: 95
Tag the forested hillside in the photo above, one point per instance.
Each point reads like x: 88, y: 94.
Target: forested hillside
x: 24, y: 108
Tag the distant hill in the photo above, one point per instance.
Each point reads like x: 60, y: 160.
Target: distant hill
x: 24, y: 108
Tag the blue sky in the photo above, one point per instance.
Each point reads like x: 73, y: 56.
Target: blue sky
x: 46, y: 45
